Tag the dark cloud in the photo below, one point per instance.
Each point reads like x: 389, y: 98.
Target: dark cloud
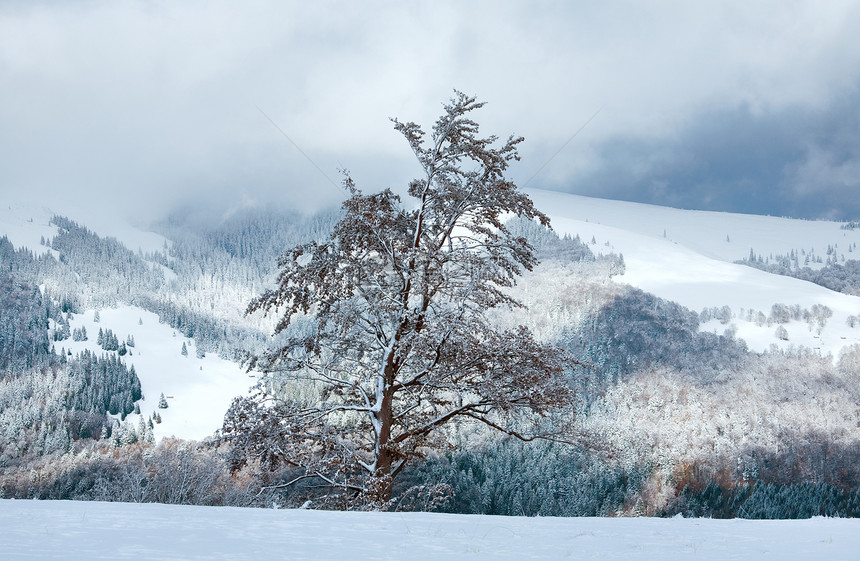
x: 797, y: 161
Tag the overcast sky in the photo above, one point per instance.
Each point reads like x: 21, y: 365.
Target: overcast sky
x: 747, y: 106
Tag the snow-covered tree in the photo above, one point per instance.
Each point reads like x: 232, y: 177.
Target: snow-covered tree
x: 79, y: 334
x: 400, y: 343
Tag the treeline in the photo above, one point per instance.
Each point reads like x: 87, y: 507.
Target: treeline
x: 770, y: 501
x: 808, y: 479
x: 816, y: 316
x: 173, y: 472
x: 512, y: 478
x: 840, y: 277
x: 549, y: 479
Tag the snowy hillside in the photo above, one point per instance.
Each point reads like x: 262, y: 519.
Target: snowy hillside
x: 198, y: 390
x: 26, y: 222
x: 688, y: 257
x: 89, y: 531
x: 682, y: 256
x: 716, y: 235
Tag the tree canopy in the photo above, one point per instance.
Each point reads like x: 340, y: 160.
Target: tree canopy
x: 400, y: 342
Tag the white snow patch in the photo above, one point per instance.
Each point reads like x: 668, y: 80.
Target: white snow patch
x: 200, y: 390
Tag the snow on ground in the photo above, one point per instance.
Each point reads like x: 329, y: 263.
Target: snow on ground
x: 89, y: 531
x: 693, y: 264
x: 199, y: 390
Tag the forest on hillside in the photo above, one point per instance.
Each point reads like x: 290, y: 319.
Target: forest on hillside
x: 669, y: 418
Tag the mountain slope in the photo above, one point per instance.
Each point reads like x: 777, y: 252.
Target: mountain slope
x: 660, y: 419
x: 694, y: 264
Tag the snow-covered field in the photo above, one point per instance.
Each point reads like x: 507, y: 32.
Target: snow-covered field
x: 89, y: 531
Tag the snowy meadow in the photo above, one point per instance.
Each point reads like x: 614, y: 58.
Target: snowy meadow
x: 91, y: 531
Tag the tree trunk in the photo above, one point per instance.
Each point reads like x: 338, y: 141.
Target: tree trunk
x: 385, y: 457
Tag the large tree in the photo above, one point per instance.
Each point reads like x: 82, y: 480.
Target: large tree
x: 400, y: 342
